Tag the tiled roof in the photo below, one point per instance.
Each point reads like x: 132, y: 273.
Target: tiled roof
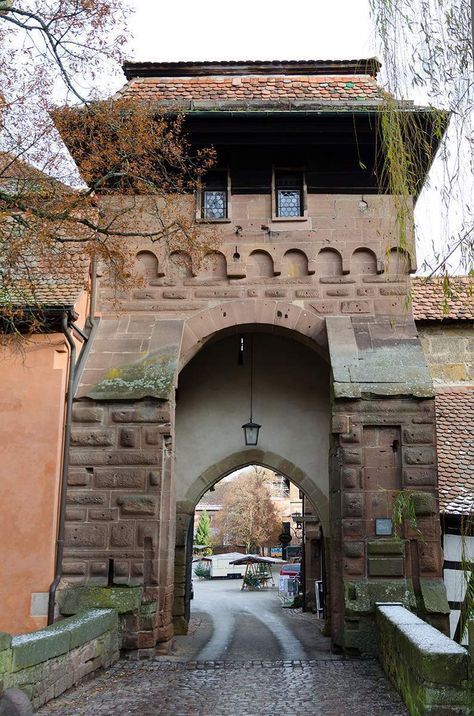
x: 432, y: 302
x: 54, y: 279
x: 43, y: 276
x: 455, y: 438
x: 329, y: 88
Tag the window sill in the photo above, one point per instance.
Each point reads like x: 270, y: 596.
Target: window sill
x: 290, y: 218
x: 200, y: 220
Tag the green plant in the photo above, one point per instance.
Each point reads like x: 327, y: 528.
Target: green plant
x: 202, y: 571
x: 203, y: 535
x: 403, y: 510
x: 252, y: 581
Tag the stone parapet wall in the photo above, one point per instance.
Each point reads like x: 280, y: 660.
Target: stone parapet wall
x: 430, y: 671
x: 46, y: 663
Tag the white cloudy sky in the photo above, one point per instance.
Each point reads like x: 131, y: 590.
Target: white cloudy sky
x: 251, y: 29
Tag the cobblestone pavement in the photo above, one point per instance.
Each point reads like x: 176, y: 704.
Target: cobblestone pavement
x: 218, y: 688
x: 243, y: 656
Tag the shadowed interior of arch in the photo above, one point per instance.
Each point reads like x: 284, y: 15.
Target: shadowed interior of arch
x: 284, y: 386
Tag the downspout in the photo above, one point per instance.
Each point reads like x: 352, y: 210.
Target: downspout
x: 65, y: 468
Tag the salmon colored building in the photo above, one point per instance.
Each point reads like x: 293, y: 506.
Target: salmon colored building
x: 34, y: 379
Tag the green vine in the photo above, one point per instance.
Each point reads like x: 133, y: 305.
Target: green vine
x: 404, y: 510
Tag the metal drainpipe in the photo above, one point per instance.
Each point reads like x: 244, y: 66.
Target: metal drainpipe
x: 65, y: 470
x: 91, y: 313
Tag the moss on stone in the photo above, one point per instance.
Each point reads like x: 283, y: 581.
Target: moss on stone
x: 122, y: 599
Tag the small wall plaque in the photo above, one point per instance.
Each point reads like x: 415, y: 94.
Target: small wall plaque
x: 383, y: 527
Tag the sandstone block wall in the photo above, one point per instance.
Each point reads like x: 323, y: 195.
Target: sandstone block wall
x: 119, y: 529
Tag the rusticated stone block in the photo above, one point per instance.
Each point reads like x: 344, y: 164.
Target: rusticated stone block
x: 415, y: 476
x: 137, y: 504
x: 73, y: 569
x: 175, y: 294
x: 92, y: 438
x: 137, y: 569
x: 85, y: 535
x: 276, y: 293
x: 430, y: 558
x: 353, y: 505
x: 366, y: 291
x: 106, y: 515
x: 419, y: 456
x: 356, y: 306
x: 128, y: 479
x: 155, y: 478
x: 113, y: 457
x: 330, y: 306
x: 99, y: 569
x: 354, y: 567
x: 424, y: 503
x: 122, y: 534
x: 141, y: 414
x: 87, y: 414
x: 75, y: 514
x: 147, y: 530
x: 414, y: 436
x: 307, y: 293
x: 145, y: 640
x: 351, y: 457
x: 350, y: 477
x: 129, y: 438
x: 353, y: 549
x: 337, y: 292
x: 354, y: 435
x: 78, y: 478
x: 121, y: 568
x: 340, y: 424
x: 152, y: 436
x: 86, y: 498
x: 353, y: 528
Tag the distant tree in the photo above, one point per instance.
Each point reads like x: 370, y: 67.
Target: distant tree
x: 203, y: 535
x: 248, y: 515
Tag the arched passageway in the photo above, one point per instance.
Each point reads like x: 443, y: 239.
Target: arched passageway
x: 290, y: 401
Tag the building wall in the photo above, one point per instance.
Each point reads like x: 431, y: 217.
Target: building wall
x: 449, y: 351
x: 32, y: 401
x: 276, y: 279
x: 31, y: 432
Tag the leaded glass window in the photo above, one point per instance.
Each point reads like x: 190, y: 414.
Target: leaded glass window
x: 214, y: 196
x: 289, y: 193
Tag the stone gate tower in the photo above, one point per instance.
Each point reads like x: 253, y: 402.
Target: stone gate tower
x: 309, y: 251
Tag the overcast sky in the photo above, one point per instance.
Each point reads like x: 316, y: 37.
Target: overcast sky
x: 251, y: 30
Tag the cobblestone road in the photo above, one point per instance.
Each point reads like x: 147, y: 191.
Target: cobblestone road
x: 243, y: 656
x: 152, y: 688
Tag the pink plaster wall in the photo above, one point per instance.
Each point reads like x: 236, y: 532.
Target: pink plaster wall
x: 32, y: 402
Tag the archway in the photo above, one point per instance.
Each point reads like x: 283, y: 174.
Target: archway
x: 291, y: 401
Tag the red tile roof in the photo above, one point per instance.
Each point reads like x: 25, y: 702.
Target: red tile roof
x: 44, y: 275
x: 433, y: 302
x: 455, y: 437
x: 318, y: 89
